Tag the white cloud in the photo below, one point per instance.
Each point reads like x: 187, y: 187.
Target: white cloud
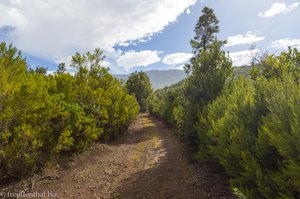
x: 177, y: 58
x: 133, y: 59
x: 279, y: 8
x: 285, y: 43
x: 124, y: 44
x: 10, y: 16
x: 57, y: 28
x: 241, y: 58
x: 105, y: 64
x: 51, y: 72
x: 248, y: 38
x: 188, y: 11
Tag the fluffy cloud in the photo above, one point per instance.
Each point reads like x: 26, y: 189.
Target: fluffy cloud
x: 248, y: 38
x: 51, y: 72
x: 177, y: 58
x: 188, y: 11
x: 133, y: 59
x: 241, y: 58
x: 285, y: 43
x: 57, y: 28
x: 279, y: 8
x: 105, y: 64
x: 10, y: 16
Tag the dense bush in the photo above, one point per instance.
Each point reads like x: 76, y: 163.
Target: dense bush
x: 249, y: 124
x: 251, y: 128
x: 139, y: 85
x: 42, y: 117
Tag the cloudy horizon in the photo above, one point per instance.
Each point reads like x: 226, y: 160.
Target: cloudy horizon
x: 143, y: 35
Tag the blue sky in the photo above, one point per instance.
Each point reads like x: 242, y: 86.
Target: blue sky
x: 143, y: 34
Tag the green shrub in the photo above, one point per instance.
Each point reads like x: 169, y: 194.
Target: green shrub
x: 42, y: 117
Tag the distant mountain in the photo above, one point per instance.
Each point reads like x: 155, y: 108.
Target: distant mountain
x: 160, y: 78
x: 242, y: 70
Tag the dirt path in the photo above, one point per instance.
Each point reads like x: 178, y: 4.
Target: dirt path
x: 148, y: 162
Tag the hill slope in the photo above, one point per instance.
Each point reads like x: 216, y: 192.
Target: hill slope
x: 160, y: 78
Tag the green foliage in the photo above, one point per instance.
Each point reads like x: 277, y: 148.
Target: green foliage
x: 168, y: 104
x: 205, y: 29
x: 256, y: 139
x: 251, y: 126
x: 139, y: 85
x: 281, y: 131
x: 210, y: 68
x: 272, y: 66
x: 41, y: 70
x: 61, y: 68
x: 208, y: 71
x: 232, y: 132
x: 43, y: 117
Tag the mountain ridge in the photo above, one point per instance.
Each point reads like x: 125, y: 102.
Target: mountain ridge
x: 159, y: 78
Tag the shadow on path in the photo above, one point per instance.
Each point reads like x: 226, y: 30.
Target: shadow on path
x: 163, y: 170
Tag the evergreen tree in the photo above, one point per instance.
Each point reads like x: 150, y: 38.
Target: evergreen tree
x: 205, y: 30
x: 209, y: 69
